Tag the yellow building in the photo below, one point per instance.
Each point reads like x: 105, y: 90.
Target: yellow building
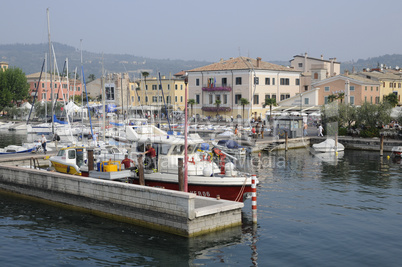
x: 154, y: 94
x: 3, y: 65
x: 391, y: 82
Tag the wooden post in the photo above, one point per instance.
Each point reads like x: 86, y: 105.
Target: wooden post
x: 181, y: 175
x: 286, y: 140
x: 90, y: 160
x: 382, y: 145
x: 141, y: 170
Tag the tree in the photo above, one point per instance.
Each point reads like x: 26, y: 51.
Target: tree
x: 243, y: 102
x: 217, y: 103
x: 14, y: 87
x: 341, y: 96
x: 191, y: 102
x: 269, y: 102
x: 347, y: 115
x: 331, y: 98
x: 372, y: 115
x: 91, y: 77
x: 392, y: 99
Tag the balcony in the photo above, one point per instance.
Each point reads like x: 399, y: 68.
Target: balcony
x: 214, y: 108
x: 216, y: 87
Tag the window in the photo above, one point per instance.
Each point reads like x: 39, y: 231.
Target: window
x: 218, y: 97
x: 256, y: 99
x: 168, y: 86
x: 146, y: 99
x: 352, y: 100
x: 79, y: 88
x: 64, y: 86
x: 154, y: 87
x: 316, y: 76
x: 197, y: 82
x: 224, y: 82
x: 225, y: 99
x: 175, y: 99
x: 273, y: 96
x: 297, y: 82
x: 132, y: 99
x: 377, y: 100
x: 326, y: 88
x: 371, y: 99
x: 109, y: 91
x: 43, y: 85
x: 306, y: 88
x: 132, y: 87
x: 43, y: 95
x: 399, y: 85
x: 383, y: 84
x: 365, y: 99
x: 325, y: 99
x: 160, y: 87
x: 284, y: 81
x: 139, y: 99
x: 160, y: 99
x: 371, y: 88
x: 181, y: 99
x: 267, y: 96
x: 376, y: 88
x: 175, y: 86
x: 211, y: 99
x: 238, y: 80
x: 154, y: 99
x: 390, y: 85
x: 285, y: 96
x: 181, y: 87
x: 55, y: 85
x: 352, y: 88
x: 237, y: 99
x: 273, y: 81
x: 146, y: 87
x: 169, y: 100
x: 365, y: 88
x: 306, y: 101
x: 256, y: 80
x: 300, y: 65
x: 197, y: 99
x: 267, y: 81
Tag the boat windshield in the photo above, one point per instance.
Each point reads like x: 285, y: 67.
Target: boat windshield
x: 61, y: 153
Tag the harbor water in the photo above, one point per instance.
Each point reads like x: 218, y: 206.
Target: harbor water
x: 313, y: 210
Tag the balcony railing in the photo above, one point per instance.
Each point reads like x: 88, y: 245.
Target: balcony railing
x: 215, y: 108
x: 216, y: 87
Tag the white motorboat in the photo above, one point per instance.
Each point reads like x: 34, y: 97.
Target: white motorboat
x: 329, y: 145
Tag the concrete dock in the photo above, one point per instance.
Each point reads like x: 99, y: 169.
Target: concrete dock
x: 175, y: 212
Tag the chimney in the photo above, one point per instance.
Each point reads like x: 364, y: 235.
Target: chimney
x: 258, y: 62
x: 322, y: 57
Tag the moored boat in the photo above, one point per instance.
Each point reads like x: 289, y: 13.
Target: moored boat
x: 397, y: 151
x: 329, y: 145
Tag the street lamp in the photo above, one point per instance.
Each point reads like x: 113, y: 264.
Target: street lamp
x: 185, y: 135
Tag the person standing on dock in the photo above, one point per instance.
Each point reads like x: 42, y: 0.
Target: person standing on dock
x: 43, y: 141
x: 320, y: 129
x: 305, y: 129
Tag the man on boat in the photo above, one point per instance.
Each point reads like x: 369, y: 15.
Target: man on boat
x: 127, y: 163
x: 151, y: 156
x: 43, y: 141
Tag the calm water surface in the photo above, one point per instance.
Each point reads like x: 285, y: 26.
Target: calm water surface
x: 312, y: 211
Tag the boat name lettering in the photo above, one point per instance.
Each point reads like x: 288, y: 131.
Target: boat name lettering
x: 201, y: 193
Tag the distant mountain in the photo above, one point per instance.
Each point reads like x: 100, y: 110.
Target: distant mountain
x: 29, y: 58
x: 390, y: 61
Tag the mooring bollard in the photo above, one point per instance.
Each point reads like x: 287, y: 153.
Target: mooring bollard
x: 254, y: 197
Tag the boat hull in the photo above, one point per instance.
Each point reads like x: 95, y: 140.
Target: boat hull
x: 235, y: 191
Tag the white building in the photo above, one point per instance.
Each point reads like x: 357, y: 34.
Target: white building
x: 236, y: 78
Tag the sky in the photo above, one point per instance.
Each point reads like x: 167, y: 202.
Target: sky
x: 209, y: 30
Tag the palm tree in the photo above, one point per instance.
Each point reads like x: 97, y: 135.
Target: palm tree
x: 341, y: 96
x: 191, y: 102
x: 217, y: 103
x: 269, y: 102
x: 145, y: 74
x: 243, y: 102
x: 331, y: 98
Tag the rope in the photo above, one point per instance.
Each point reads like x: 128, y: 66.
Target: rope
x: 241, y: 192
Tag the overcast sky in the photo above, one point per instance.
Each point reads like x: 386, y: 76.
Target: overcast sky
x: 211, y: 29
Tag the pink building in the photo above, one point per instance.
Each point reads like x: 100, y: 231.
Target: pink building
x: 61, y: 89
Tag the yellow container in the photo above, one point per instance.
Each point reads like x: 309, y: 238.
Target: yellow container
x: 110, y: 168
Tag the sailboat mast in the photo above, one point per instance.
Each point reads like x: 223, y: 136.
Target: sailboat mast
x: 46, y: 90
x: 50, y: 62
x: 103, y: 101
x: 82, y: 87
